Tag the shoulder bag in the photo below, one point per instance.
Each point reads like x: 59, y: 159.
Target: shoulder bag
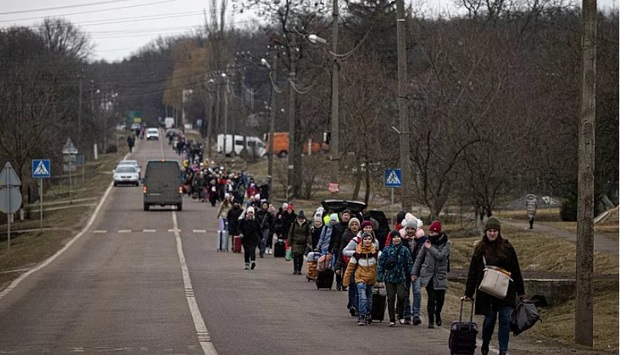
x: 495, y: 281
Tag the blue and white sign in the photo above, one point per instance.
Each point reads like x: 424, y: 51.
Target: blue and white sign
x: 393, y: 178
x: 41, y: 168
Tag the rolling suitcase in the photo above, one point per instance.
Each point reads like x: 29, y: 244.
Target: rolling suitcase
x: 237, y: 244
x: 463, y: 334
x: 378, y: 304
x: 279, y: 249
x: 222, y: 240
x: 325, y: 279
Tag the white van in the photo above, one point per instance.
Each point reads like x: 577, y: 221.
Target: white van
x: 254, y: 145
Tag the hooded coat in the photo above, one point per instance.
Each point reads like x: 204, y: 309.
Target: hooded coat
x: 432, y: 263
x: 299, y: 237
x: 364, y: 264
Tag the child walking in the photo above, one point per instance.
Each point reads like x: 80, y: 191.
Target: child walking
x: 364, y: 264
x: 395, y: 267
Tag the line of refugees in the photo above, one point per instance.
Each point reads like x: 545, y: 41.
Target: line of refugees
x: 409, y: 261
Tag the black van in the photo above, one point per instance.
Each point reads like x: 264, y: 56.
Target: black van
x: 163, y: 184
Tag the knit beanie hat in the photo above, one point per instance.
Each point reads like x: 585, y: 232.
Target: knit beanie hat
x: 249, y: 209
x: 394, y: 233
x: 493, y: 223
x: 366, y: 224
x: 411, y: 223
x: 333, y: 217
x: 353, y: 220
x: 435, y: 227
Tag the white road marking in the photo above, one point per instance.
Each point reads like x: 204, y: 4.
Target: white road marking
x: 100, y: 231
x: 174, y: 230
x: 149, y: 230
x: 199, y: 231
x: 121, y: 231
x: 201, y: 329
x: 90, y: 222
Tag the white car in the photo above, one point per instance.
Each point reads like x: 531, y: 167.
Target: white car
x: 126, y: 174
x: 152, y: 133
x: 130, y: 162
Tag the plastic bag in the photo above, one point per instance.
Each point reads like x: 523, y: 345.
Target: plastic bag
x: 523, y: 317
x: 289, y: 254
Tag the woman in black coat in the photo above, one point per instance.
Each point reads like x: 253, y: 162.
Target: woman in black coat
x: 496, y: 251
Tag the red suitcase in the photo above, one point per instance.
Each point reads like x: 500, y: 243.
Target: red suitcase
x: 463, y: 334
x: 237, y: 244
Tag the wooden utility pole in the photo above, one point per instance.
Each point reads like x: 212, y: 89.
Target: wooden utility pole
x: 403, y: 110
x: 334, y: 143
x: 292, y: 152
x: 584, y: 330
x: 273, y: 72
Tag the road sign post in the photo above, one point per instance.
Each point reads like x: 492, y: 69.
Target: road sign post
x: 41, y: 170
x: 69, y: 152
x: 10, y: 196
x: 393, y: 179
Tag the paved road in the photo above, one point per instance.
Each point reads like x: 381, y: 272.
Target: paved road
x: 152, y: 282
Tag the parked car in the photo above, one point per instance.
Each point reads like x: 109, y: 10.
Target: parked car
x: 126, y: 174
x: 152, y: 133
x: 356, y: 208
x: 133, y: 163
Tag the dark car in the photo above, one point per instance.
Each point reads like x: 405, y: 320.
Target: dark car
x: 357, y: 208
x: 162, y: 184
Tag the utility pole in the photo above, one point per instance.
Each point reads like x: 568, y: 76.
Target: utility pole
x: 584, y: 329
x: 272, y: 115
x: 335, y: 139
x: 79, y: 132
x: 292, y: 151
x: 225, y: 87
x: 403, y: 111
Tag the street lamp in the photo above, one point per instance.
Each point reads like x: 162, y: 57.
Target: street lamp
x: 272, y: 113
x: 334, y: 151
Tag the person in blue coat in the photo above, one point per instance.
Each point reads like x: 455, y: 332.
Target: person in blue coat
x: 395, y: 266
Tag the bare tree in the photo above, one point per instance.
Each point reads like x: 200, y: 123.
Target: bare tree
x: 62, y: 37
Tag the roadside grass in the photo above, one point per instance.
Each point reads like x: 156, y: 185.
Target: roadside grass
x: 551, y: 217
x: 33, y: 247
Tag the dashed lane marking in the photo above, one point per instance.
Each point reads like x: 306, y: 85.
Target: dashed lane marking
x: 149, y: 230
x: 122, y: 231
x: 199, y: 230
x: 100, y: 231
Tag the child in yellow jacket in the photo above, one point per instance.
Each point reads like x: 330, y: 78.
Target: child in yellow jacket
x: 364, y: 264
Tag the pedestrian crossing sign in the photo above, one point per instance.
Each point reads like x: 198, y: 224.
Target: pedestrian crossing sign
x: 393, y: 178
x: 41, y: 168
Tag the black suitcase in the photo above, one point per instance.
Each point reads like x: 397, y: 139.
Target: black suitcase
x: 325, y: 279
x: 463, y: 334
x: 378, y: 305
x: 279, y: 249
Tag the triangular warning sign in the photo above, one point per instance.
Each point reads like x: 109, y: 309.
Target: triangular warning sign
x: 393, y: 179
x: 41, y: 169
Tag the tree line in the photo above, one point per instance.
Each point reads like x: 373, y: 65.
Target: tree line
x: 493, y: 93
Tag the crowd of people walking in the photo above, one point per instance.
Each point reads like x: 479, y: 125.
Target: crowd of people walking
x: 409, y: 260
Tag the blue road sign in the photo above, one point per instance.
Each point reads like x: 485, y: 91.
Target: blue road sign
x: 393, y: 178
x: 41, y: 168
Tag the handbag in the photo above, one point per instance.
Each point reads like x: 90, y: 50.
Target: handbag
x: 495, y: 281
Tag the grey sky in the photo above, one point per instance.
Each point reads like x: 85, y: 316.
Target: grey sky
x: 120, y: 27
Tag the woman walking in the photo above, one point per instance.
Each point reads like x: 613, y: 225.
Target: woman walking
x: 494, y: 250
x: 431, y: 266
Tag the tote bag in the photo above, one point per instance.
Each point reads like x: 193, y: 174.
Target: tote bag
x: 495, y: 281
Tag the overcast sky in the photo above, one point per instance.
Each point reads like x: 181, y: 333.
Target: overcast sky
x: 121, y: 27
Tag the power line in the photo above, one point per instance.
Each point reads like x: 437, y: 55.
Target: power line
x: 60, y: 7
